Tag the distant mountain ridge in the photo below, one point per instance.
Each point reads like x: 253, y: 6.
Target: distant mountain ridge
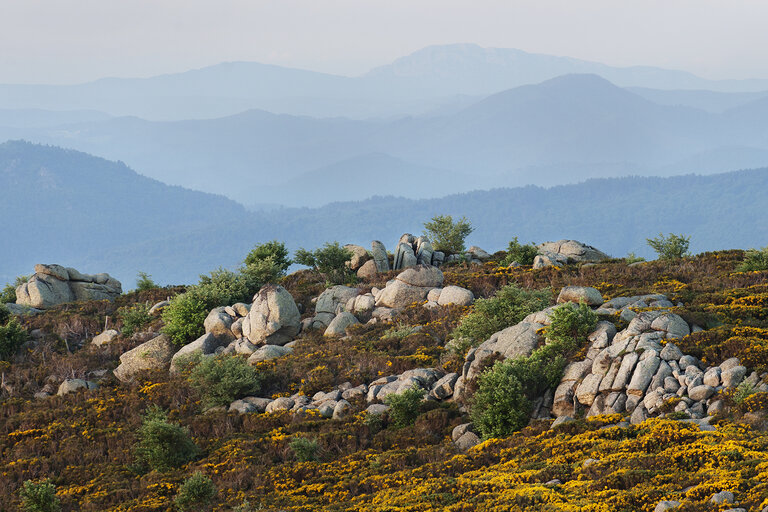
x: 425, y: 80
x: 71, y: 208
x: 563, y: 130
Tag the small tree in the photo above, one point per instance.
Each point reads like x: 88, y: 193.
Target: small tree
x: 331, y: 260
x: 8, y: 294
x: 196, y: 493
x: 266, y: 263
x: 522, y: 254
x: 570, y: 324
x: 446, y: 235
x: 754, y: 261
x: 144, y: 282
x: 670, y: 247
x: 163, y: 445
x: 39, y: 497
x: 501, y: 405
x: 134, y: 318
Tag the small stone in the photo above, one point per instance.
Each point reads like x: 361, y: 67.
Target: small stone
x: 722, y: 497
x: 663, y: 506
x: 105, y: 337
x: 467, y: 441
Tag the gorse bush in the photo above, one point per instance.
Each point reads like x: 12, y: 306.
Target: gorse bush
x: 304, y: 449
x: 754, y: 261
x: 508, y: 307
x: 144, y: 282
x: 522, y: 254
x: 163, y: 445
x: 223, y: 379
x: 134, y: 318
x: 330, y: 259
x: 196, y: 493
x: 670, y: 247
x: 39, y: 497
x: 405, y: 407
x: 12, y: 337
x: 446, y: 235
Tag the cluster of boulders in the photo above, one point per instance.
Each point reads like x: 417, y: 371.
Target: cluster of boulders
x: 53, y: 284
x: 564, y: 252
x: 337, y: 403
x: 340, y: 307
x: 720, y: 499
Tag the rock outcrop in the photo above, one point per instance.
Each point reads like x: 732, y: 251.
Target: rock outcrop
x: 53, y: 284
x: 412, y: 285
x: 564, y: 252
x: 155, y: 354
x: 273, y: 319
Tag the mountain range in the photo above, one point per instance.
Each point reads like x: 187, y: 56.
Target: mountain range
x: 71, y: 208
x: 563, y: 130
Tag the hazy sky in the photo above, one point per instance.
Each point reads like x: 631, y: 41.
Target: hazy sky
x: 67, y: 41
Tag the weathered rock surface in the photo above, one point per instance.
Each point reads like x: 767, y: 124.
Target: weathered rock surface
x: 274, y: 318
x: 155, y: 354
x: 72, y: 385
x: 586, y: 294
x: 104, y: 338
x: 54, y: 284
x: 339, y: 325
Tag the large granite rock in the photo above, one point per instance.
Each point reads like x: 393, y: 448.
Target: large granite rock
x: 274, y: 318
x: 53, y: 284
x: 412, y: 285
x: 153, y: 355
x: 566, y: 251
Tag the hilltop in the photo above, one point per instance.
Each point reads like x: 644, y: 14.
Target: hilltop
x: 318, y: 428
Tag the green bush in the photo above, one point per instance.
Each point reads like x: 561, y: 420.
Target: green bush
x: 163, y: 445
x: 267, y: 262
x: 509, y: 306
x: 196, y: 493
x: 522, y: 254
x: 5, y: 314
x: 754, y: 260
x: 144, y: 282
x: 405, y: 407
x: 506, y: 391
x: 134, y: 318
x: 670, y: 247
x: 501, y: 404
x: 223, y: 379
x: 184, y: 316
x: 744, y: 390
x: 570, y: 324
x: 8, y: 295
x: 331, y: 260
x: 12, y: 336
x: 446, y: 235
x: 632, y: 258
x: 39, y: 497
x: 304, y: 449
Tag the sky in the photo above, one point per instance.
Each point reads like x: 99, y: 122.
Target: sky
x: 73, y: 41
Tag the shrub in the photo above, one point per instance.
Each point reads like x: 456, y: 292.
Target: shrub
x: 754, y: 260
x: 522, y: 254
x: 446, y: 235
x: 196, y: 493
x: 8, y: 294
x: 144, y: 282
x: 506, y: 391
x: 267, y: 261
x: 744, y: 390
x: 501, y: 405
x: 509, y: 306
x: 304, y: 449
x: 670, y: 247
x: 185, y: 314
x: 12, y: 336
x: 220, y: 380
x: 570, y: 324
x: 405, y: 407
x: 39, y: 497
x: 632, y: 258
x: 134, y: 318
x: 5, y: 314
x: 331, y: 260
x: 163, y: 445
